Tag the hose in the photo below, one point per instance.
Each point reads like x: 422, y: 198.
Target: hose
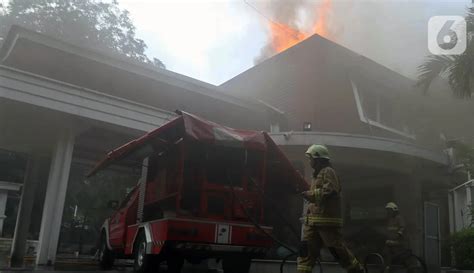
x: 282, y: 218
x: 256, y: 224
x: 259, y: 227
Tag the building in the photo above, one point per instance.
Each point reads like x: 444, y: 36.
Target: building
x: 375, y: 125
x: 62, y: 107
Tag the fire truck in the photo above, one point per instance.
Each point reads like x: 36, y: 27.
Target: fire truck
x: 200, y: 196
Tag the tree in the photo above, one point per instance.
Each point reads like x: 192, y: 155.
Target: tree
x: 457, y: 68
x: 90, y: 23
x: 86, y: 203
x: 464, y: 154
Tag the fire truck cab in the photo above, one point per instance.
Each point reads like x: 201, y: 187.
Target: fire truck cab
x: 200, y: 196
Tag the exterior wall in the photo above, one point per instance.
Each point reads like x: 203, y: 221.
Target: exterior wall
x: 303, y: 93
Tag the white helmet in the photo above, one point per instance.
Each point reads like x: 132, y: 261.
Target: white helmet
x: 392, y: 206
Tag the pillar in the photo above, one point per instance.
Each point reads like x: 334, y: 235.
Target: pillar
x: 5, y: 187
x: 22, y: 226
x: 55, y: 197
x: 3, y: 205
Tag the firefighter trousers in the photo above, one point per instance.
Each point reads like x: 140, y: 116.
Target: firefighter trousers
x: 397, y: 251
x: 389, y: 252
x: 315, y: 238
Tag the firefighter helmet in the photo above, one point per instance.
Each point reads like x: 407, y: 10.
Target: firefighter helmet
x: 317, y: 151
x: 392, y: 206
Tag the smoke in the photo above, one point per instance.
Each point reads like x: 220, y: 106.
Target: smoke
x: 278, y: 13
x: 392, y: 33
x: 290, y: 22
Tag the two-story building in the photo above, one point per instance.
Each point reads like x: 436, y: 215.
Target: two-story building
x: 374, y: 123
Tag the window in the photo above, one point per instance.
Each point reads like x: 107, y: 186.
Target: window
x: 378, y: 110
x: 274, y: 127
x: 127, y: 198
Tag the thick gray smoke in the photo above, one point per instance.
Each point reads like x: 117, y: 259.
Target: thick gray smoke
x: 391, y: 32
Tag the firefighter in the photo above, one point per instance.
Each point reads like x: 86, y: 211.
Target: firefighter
x: 394, y: 243
x: 323, y: 220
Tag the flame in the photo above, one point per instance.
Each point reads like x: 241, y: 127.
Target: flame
x: 321, y: 26
x: 284, y: 36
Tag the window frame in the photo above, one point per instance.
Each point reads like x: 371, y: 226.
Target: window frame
x: 364, y: 118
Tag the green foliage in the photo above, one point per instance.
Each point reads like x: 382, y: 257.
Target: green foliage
x: 464, y: 154
x: 91, y: 23
x: 91, y: 197
x: 458, y: 69
x: 462, y: 243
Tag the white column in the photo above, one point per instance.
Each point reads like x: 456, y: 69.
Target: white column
x: 25, y: 208
x: 456, y: 214
x: 3, y: 205
x: 4, y: 188
x: 451, y: 212
x: 468, y: 205
x: 54, y: 200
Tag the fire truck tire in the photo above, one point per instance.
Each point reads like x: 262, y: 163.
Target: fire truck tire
x: 143, y: 262
x: 236, y: 264
x: 106, y: 256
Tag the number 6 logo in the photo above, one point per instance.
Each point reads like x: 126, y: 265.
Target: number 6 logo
x: 447, y: 35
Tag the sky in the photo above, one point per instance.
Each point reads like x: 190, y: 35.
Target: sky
x: 208, y: 40
x: 215, y: 40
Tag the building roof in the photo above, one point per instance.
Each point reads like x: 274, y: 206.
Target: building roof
x: 337, y: 54
x: 312, y: 82
x: 117, y: 75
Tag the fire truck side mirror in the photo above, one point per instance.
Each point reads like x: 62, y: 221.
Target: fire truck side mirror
x: 113, y: 204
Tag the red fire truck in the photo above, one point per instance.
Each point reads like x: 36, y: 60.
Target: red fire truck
x: 200, y: 196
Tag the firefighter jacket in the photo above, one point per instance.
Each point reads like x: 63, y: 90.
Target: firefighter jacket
x: 324, y: 197
x: 395, y: 231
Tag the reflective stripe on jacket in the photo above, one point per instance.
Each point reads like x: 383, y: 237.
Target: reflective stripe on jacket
x: 395, y: 230
x: 325, y: 200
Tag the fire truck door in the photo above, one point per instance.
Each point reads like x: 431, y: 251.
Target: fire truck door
x: 117, y: 228
x: 118, y: 221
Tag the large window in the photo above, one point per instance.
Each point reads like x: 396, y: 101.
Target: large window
x: 381, y: 110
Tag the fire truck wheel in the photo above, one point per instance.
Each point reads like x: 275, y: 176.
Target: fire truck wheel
x: 234, y: 264
x: 143, y: 262
x: 106, y: 256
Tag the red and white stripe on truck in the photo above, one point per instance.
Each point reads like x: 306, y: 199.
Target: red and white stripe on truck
x: 195, y: 234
